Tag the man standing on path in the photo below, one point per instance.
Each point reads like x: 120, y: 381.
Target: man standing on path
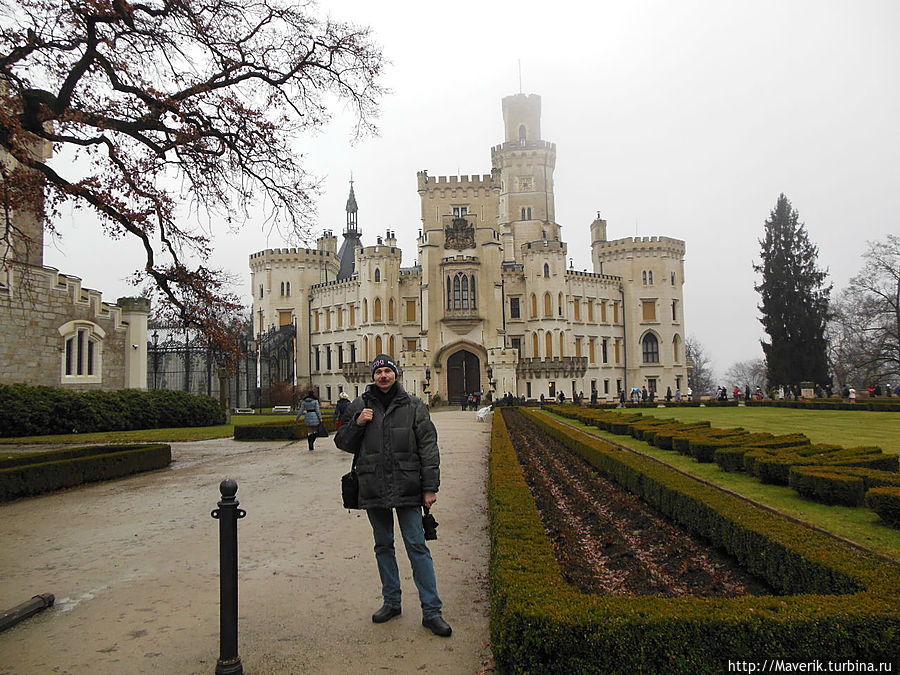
x: 398, y: 464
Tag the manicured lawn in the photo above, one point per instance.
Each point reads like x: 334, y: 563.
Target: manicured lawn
x: 844, y: 427
x: 860, y: 525
x: 173, y: 435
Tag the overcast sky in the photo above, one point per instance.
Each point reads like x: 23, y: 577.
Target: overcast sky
x: 674, y: 118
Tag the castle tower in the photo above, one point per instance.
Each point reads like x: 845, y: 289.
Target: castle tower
x: 347, y: 254
x: 526, y: 163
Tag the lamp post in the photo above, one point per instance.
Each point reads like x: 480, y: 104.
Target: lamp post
x: 155, y: 357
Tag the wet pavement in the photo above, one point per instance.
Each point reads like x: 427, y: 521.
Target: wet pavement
x: 134, y: 566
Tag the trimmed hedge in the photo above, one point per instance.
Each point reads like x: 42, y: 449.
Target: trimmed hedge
x: 36, y: 473
x: 846, y: 607
x: 33, y: 411
x: 768, y: 457
x: 277, y: 431
x: 885, y: 501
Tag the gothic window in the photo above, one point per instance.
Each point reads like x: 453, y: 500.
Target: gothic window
x: 672, y: 277
x: 534, y: 345
x: 282, y: 289
x: 514, y: 308
x: 644, y: 277
x: 533, y: 306
x: 650, y: 277
x: 675, y: 350
x: 352, y: 315
x: 391, y: 309
x: 378, y: 345
x: 353, y: 352
x: 560, y: 305
x: 546, y: 271
x: 377, y: 275
x: 522, y: 134
x: 526, y: 213
x: 548, y: 339
x: 650, y: 348
x: 366, y: 357
x: 449, y: 294
x: 548, y: 310
x: 340, y: 356
x: 460, y: 211
x: 340, y: 317
x: 391, y: 347
x: 461, y: 292
x: 576, y: 308
x: 82, y: 351
x: 605, y: 350
x: 456, y: 292
x: 674, y: 310
x: 472, y: 289
x: 366, y: 312
x: 318, y: 357
x: 328, y: 357
x: 376, y: 311
x: 465, y: 291
x: 562, y: 342
x: 260, y: 290
x: 287, y: 287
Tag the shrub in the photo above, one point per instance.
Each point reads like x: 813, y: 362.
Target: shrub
x: 845, y: 607
x: 885, y: 501
x: 36, y: 473
x: 31, y: 411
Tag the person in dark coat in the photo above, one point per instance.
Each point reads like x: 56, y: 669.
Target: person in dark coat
x: 341, y: 407
x: 398, y: 464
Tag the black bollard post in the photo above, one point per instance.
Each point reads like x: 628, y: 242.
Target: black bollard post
x: 228, y: 514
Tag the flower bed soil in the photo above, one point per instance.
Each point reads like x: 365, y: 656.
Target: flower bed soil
x: 607, y: 541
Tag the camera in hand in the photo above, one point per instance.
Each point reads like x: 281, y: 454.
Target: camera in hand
x: 430, y: 525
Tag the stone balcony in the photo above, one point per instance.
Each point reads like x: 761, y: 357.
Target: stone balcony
x: 566, y: 366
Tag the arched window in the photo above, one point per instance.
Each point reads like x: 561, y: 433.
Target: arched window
x: 644, y: 277
x: 472, y: 290
x: 282, y: 288
x: 465, y: 291
x: 366, y: 313
x: 548, y: 339
x: 534, y: 345
x: 376, y: 312
x: 546, y: 271
x: 82, y: 351
x: 548, y: 309
x: 522, y: 134
x: 650, y: 348
x: 561, y: 304
x: 377, y: 275
x: 287, y: 287
x: 533, y: 306
x: 456, y: 292
x: 650, y: 277
x: 391, y: 312
x: 449, y: 294
x: 366, y: 348
x: 391, y: 347
x: 562, y: 342
x: 675, y: 349
x: 378, y: 348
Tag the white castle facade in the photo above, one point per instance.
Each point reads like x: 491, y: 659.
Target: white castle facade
x: 490, y: 305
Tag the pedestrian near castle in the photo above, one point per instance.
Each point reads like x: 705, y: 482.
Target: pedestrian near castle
x: 312, y: 415
x: 398, y: 464
x: 340, y: 408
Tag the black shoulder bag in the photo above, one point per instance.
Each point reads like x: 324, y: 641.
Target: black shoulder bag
x: 350, y: 487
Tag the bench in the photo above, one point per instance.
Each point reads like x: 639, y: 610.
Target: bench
x: 281, y: 409
x: 243, y: 411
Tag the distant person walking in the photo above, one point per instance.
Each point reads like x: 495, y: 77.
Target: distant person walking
x: 341, y: 407
x: 312, y: 416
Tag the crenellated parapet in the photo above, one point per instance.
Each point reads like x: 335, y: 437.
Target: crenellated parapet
x: 646, y: 246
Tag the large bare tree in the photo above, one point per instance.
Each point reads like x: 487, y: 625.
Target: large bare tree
x: 864, y: 333
x: 167, y: 115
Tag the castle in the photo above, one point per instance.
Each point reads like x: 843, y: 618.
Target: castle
x: 55, y: 332
x: 490, y: 305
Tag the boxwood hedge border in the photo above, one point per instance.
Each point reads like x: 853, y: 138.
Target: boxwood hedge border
x: 846, y: 606
x: 32, y: 474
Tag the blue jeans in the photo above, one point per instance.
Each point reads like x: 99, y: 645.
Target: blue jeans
x: 410, y: 519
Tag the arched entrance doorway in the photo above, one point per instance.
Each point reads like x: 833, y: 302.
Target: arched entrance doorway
x: 463, y: 375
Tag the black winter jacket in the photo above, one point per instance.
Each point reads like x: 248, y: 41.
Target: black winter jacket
x: 397, y: 452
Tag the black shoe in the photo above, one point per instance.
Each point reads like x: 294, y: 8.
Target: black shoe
x: 386, y: 613
x: 438, y: 626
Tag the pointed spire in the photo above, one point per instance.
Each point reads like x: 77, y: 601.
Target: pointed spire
x: 351, y: 200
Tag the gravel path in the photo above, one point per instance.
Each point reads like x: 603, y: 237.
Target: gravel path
x: 133, y: 564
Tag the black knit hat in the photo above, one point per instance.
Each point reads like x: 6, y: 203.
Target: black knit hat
x: 384, y: 361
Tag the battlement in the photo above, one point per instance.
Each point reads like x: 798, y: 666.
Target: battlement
x: 379, y: 251
x: 411, y: 271
x: 290, y: 254
x: 350, y: 282
x: 644, y: 244
x: 427, y: 182
x: 518, y: 145
x: 543, y: 246
x: 575, y: 274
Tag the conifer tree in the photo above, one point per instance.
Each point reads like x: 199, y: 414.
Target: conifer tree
x: 795, y: 300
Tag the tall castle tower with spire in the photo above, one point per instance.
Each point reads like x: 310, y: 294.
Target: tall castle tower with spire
x: 489, y: 305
